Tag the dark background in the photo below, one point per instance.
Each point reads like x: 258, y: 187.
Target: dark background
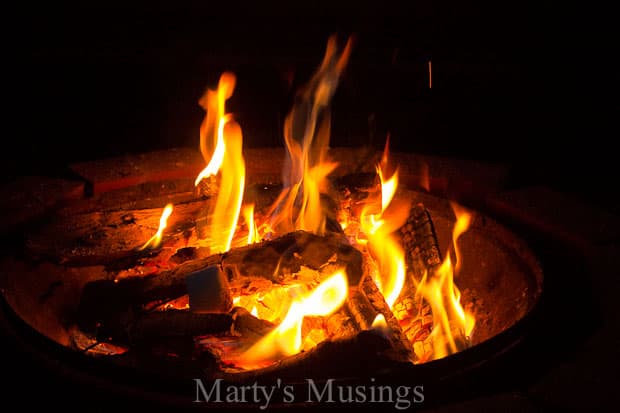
x: 531, y: 85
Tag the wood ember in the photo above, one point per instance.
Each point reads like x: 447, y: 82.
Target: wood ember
x: 422, y: 256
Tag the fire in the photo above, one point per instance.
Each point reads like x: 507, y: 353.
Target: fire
x: 221, y: 131
x: 378, y: 228
x: 212, y: 142
x: 306, y: 134
x: 248, y: 216
x: 452, y: 325
x: 286, y: 338
x: 155, y: 240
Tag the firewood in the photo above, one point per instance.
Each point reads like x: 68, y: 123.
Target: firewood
x: 363, y: 305
x: 356, y: 356
x: 208, y: 291
x: 100, y: 237
x: 176, y: 323
x: 113, y: 233
x: 276, y: 261
x: 110, y: 174
x: 422, y: 257
x: 31, y: 197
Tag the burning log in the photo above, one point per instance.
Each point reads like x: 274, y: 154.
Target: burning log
x: 361, y: 309
x: 267, y: 263
x: 422, y: 257
x: 358, y: 355
x: 101, y: 238
x: 177, y: 329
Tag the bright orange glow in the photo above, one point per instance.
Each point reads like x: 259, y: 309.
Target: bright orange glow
x: 221, y: 140
x: 306, y: 135
x: 286, y: 338
x: 451, y: 323
x: 378, y: 228
x: 248, y: 216
x: 155, y: 240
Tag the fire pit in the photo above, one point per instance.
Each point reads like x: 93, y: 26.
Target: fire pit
x: 267, y: 265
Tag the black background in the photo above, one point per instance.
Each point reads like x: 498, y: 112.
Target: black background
x: 533, y: 85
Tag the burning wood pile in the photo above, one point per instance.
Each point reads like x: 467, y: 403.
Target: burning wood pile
x: 241, y: 276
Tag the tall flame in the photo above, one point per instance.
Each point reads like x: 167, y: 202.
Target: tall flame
x: 379, y: 227
x: 306, y: 134
x: 452, y: 324
x: 155, y: 240
x: 221, y: 132
x: 286, y: 338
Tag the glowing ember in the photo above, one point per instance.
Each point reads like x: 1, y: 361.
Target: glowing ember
x: 155, y: 240
x: 286, y: 339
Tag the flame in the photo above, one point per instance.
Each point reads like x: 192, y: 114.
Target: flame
x: 378, y: 227
x: 452, y: 325
x: 379, y: 322
x: 463, y: 221
x: 286, y: 338
x: 248, y: 216
x: 212, y: 142
x: 155, y: 240
x: 221, y: 131
x: 306, y: 134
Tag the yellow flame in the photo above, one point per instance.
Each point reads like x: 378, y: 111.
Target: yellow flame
x: 221, y: 133
x: 155, y: 240
x: 212, y: 142
x: 286, y: 338
x: 248, y: 216
x: 451, y: 323
x: 217, y: 159
x: 254, y: 311
x: 463, y: 221
x: 306, y: 134
x: 379, y: 322
x: 385, y: 248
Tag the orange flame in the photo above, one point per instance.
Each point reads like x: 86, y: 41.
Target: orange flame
x: 212, y: 142
x: 286, y: 339
x: 155, y: 240
x: 451, y: 323
x: 219, y: 130
x: 306, y: 134
x: 248, y: 216
x: 463, y: 221
x: 383, y: 245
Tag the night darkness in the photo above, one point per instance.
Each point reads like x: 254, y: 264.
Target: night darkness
x: 521, y: 84
x: 532, y: 86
